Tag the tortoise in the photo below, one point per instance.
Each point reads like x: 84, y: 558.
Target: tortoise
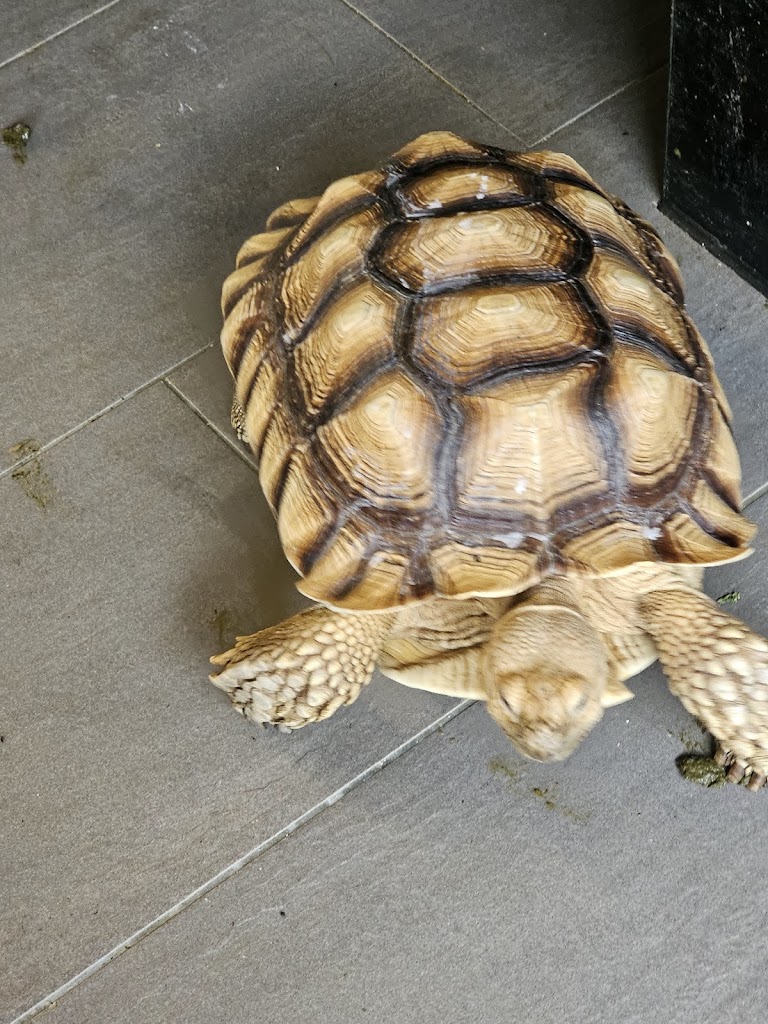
x: 496, y: 449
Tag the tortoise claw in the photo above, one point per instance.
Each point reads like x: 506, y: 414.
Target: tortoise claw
x: 722, y: 757
x: 738, y: 771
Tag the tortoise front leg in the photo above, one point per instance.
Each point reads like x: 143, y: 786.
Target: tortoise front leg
x: 719, y: 669
x: 303, y: 669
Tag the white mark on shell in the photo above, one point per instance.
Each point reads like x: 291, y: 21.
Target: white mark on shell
x: 509, y: 540
x: 483, y: 190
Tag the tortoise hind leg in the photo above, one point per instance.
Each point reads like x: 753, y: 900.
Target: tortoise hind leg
x: 237, y: 419
x: 719, y: 669
x: 303, y: 669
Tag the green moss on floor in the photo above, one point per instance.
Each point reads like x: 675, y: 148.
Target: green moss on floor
x: 31, y: 475
x: 498, y: 767
x: 548, y: 797
x: 224, y: 623
x: 702, y: 770
x: 15, y: 137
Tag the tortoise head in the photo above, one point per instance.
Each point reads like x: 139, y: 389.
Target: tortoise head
x: 548, y: 675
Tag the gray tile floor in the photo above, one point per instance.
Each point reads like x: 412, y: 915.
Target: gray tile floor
x: 161, y: 860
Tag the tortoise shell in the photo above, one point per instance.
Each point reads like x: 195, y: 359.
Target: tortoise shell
x: 472, y: 368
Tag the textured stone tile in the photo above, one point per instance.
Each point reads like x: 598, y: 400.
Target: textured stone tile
x: 25, y: 25
x: 131, y: 553
x: 531, y: 65
x: 471, y: 884
x: 162, y: 136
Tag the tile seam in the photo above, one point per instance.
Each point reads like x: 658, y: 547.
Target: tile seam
x: 432, y: 71
x: 242, y: 862
x: 8, y: 470
x: 55, y: 35
x: 599, y: 103
x: 755, y: 495
x: 235, y: 446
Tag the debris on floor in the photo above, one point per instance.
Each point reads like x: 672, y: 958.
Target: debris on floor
x: 30, y: 475
x: 16, y: 136
x: 701, y: 769
x: 497, y: 766
x: 548, y: 796
x: 692, y: 743
x: 223, y: 621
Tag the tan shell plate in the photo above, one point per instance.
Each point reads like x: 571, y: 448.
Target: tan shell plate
x: 471, y: 368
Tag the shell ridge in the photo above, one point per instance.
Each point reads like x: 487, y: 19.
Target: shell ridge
x: 340, y: 214
x: 389, y: 507
x: 655, y: 251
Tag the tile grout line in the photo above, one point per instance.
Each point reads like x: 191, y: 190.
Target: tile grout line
x: 599, y: 103
x: 234, y: 445
x: 102, y: 412
x: 241, y: 862
x: 757, y: 493
x: 55, y: 35
x: 468, y: 99
x: 432, y: 71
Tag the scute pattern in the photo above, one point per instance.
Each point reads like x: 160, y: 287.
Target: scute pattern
x: 528, y: 450
x: 446, y: 188
x: 634, y: 306
x: 463, y: 337
x: 354, y: 332
x: 307, y: 510
x: 381, y: 445
x: 656, y: 412
x: 432, y: 255
x: 262, y: 398
x: 329, y: 261
x: 468, y: 369
x: 341, y: 199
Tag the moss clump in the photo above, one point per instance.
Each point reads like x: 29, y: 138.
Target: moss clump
x: 15, y: 137
x: 31, y: 475
x: 702, y: 770
x: 223, y: 622
x: 498, y: 767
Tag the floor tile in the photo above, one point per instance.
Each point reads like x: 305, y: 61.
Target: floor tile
x: 470, y: 884
x: 207, y: 384
x: 26, y: 25
x: 532, y: 66
x: 130, y: 553
x: 460, y: 882
x: 162, y: 136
